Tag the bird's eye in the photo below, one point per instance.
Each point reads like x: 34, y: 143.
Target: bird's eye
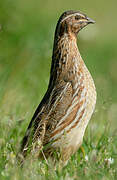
x: 77, y: 17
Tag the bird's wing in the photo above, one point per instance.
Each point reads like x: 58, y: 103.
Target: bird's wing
x: 36, y: 128
x: 70, y: 109
x: 54, y: 109
x: 35, y: 124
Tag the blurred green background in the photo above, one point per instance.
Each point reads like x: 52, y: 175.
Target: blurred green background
x: 26, y: 40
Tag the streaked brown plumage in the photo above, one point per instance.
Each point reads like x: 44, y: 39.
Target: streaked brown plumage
x: 61, y: 118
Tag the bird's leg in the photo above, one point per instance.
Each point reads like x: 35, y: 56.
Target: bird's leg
x: 83, y: 151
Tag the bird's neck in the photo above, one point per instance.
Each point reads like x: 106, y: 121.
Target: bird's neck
x: 65, y: 55
x: 65, y: 50
x: 64, y: 46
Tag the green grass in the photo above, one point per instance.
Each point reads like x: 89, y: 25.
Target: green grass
x: 26, y: 40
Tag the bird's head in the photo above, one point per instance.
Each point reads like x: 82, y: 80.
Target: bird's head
x: 72, y: 22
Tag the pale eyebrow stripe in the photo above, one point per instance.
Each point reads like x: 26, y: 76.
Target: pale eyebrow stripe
x: 70, y: 16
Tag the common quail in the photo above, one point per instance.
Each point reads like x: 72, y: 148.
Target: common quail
x: 60, y: 120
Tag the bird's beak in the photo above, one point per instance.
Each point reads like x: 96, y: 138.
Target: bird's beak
x: 89, y: 20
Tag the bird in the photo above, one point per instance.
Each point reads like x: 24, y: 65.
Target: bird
x: 60, y: 120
